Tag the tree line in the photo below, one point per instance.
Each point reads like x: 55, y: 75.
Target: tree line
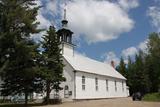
x: 24, y: 68
x: 143, y: 71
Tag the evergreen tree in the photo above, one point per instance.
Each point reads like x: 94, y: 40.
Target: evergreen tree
x: 17, y: 51
x: 122, y: 67
x: 53, y: 62
x: 153, y: 61
x: 130, y: 72
x: 141, y: 80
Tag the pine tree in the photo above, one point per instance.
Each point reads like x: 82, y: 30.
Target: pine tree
x: 17, y: 51
x: 53, y: 62
x: 153, y: 61
x: 130, y: 72
x: 141, y: 82
x: 122, y: 67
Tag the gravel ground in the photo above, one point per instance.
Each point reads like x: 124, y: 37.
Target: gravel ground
x: 120, y: 102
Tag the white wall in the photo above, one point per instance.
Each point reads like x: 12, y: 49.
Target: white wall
x: 90, y: 91
x: 69, y: 75
x: 67, y: 49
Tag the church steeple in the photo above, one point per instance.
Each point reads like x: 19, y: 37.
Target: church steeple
x: 65, y: 36
x: 64, y: 21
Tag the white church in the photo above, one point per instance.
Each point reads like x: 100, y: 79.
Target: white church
x: 87, y: 78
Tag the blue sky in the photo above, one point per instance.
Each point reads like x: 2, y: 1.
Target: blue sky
x: 105, y: 30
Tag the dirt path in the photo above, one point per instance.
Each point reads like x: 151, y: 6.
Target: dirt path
x: 120, y: 102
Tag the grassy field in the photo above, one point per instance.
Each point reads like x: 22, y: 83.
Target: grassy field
x: 152, y: 97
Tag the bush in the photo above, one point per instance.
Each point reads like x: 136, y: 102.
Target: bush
x: 152, y: 97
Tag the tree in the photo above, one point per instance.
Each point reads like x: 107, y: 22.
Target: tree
x: 17, y: 51
x: 141, y: 80
x: 143, y: 74
x: 130, y: 72
x: 153, y: 61
x: 53, y: 62
x: 122, y: 67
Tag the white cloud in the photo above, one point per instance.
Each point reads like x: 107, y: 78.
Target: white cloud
x: 51, y: 6
x: 129, y: 52
x: 44, y: 22
x: 143, y: 46
x: 110, y: 56
x: 99, y: 21
x: 96, y: 20
x: 154, y: 13
x: 128, y: 4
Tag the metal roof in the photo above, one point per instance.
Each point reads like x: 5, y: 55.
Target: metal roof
x: 85, y: 64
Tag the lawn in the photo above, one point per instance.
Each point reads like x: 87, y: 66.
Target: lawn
x: 19, y: 105
x: 152, y: 97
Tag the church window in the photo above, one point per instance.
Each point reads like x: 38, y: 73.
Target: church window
x: 106, y: 85
x: 66, y: 91
x: 122, y: 86
x: 115, y: 85
x: 96, y: 84
x: 83, y: 82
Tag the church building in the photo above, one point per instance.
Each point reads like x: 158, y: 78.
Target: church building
x: 87, y: 78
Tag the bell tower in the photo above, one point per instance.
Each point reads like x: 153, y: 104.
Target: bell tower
x: 65, y: 36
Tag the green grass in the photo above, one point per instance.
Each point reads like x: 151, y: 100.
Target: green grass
x: 20, y: 105
x: 152, y: 97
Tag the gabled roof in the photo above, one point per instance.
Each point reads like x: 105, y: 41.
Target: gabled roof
x: 85, y: 64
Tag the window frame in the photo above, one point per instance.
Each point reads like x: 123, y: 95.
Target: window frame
x: 122, y: 86
x: 83, y: 83
x: 107, y: 88
x: 115, y: 82
x: 96, y: 84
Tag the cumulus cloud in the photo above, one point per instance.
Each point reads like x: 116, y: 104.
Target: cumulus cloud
x: 128, y: 4
x: 110, y: 56
x: 143, y: 46
x: 51, y: 6
x: 154, y: 13
x: 129, y: 52
x: 95, y: 20
x: 44, y: 22
x: 98, y: 20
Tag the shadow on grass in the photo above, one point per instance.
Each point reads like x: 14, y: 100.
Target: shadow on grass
x: 20, y: 105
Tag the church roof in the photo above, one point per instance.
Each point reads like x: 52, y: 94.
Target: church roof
x: 88, y: 65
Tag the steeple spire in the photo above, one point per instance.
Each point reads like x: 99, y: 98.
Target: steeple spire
x: 64, y: 21
x: 65, y: 11
x: 65, y: 35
